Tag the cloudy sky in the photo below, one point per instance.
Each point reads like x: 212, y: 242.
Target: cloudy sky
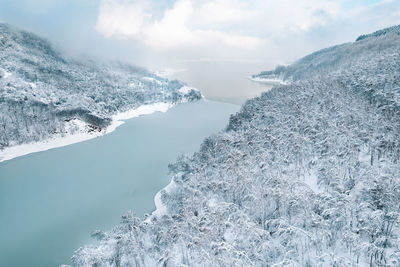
x: 160, y: 32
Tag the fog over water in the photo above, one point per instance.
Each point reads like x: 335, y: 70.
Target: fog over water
x: 226, y: 81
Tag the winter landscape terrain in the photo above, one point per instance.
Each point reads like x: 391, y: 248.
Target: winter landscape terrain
x: 307, y: 174
x: 51, y: 201
x: 45, y: 96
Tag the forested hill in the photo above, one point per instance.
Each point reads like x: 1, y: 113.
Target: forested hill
x: 308, y: 174
x: 366, y: 49
x: 43, y: 93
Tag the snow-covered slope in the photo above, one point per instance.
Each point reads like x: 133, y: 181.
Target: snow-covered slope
x: 44, y: 94
x: 308, y: 174
x: 338, y: 58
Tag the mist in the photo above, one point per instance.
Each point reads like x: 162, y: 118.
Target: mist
x: 163, y: 34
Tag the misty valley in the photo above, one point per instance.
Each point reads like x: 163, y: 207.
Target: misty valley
x: 211, y: 160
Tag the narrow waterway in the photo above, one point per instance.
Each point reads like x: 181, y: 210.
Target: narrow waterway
x: 51, y: 201
x: 226, y: 81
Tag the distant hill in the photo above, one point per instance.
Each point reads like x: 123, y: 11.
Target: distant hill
x: 383, y: 32
x: 45, y: 94
x: 340, y: 58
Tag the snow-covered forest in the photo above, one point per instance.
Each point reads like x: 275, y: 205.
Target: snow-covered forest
x: 308, y: 174
x: 45, y: 94
x: 367, y: 48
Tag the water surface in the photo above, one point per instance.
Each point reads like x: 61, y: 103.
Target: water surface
x: 226, y: 81
x: 50, y: 201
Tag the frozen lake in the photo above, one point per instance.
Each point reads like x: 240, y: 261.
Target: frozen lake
x: 51, y: 201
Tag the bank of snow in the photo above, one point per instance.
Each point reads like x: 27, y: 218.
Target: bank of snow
x: 79, y: 131
x: 267, y: 80
x: 161, y: 208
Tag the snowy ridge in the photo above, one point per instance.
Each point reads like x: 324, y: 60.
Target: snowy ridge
x: 394, y: 29
x: 338, y: 58
x: 41, y: 90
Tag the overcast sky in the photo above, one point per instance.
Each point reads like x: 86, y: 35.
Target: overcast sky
x: 162, y: 32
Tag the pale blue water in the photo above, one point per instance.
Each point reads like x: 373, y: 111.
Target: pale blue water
x: 50, y: 201
x: 223, y: 80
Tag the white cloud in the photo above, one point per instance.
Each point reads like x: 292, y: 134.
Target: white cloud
x: 172, y: 30
x: 177, y: 27
x: 222, y: 23
x: 296, y: 16
x: 224, y: 11
x: 121, y: 18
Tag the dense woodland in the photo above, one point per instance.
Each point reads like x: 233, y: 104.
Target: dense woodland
x: 308, y: 174
x: 365, y: 50
x: 41, y: 90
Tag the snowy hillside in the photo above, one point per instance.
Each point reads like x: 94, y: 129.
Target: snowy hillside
x: 44, y: 94
x: 308, y: 174
x: 368, y: 48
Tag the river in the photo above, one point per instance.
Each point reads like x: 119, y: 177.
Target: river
x: 51, y: 201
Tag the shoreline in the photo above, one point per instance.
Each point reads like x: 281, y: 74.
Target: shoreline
x: 268, y: 81
x: 69, y: 139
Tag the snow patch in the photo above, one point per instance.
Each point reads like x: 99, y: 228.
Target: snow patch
x: 135, y: 84
x: 268, y: 80
x: 186, y: 89
x: 33, y: 85
x: 312, y: 181
x: 75, y: 125
x: 364, y: 156
x: 143, y: 110
x: 212, y: 202
x: 6, y: 74
x: 25, y: 149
